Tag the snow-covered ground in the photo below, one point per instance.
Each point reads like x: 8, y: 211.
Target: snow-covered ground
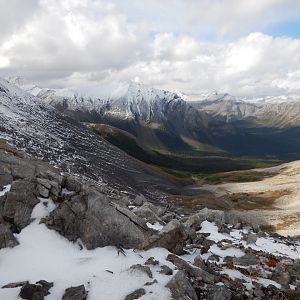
x: 44, y: 254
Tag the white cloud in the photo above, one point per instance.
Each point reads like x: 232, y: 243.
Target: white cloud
x: 69, y: 42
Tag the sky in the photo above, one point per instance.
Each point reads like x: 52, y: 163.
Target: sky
x: 243, y: 47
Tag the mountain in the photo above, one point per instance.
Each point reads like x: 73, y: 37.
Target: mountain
x: 159, y: 119
x: 37, y: 128
x: 280, y: 111
x: 154, y: 125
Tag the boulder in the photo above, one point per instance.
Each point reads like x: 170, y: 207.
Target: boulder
x: 73, y: 184
x: 20, y: 202
x: 7, y: 238
x: 43, y: 191
x: 192, y: 271
x: 219, y: 292
x: 96, y: 223
x: 180, y: 287
x: 211, y: 215
x: 75, y: 293
x: 36, y: 291
x: 147, y: 213
x: 172, y: 237
x: 247, y: 260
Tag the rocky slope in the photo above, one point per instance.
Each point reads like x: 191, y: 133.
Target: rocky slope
x: 40, y: 130
x: 51, y: 221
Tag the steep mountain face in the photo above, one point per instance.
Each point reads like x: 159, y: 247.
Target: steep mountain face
x: 159, y: 119
x: 37, y: 128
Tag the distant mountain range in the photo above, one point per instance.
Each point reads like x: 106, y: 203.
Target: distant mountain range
x: 281, y: 111
x: 158, y: 121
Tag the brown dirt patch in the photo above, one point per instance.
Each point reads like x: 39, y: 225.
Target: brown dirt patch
x: 261, y: 200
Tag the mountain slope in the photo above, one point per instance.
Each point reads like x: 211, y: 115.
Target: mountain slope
x: 40, y: 130
x: 158, y: 119
x: 270, y: 111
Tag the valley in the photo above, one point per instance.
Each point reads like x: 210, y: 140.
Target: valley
x: 151, y: 200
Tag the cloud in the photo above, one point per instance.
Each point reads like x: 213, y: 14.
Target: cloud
x: 13, y: 15
x: 71, y: 36
x: 70, y: 42
x: 257, y: 64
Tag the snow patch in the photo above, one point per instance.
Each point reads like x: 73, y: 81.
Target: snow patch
x: 5, y: 190
x: 44, y: 254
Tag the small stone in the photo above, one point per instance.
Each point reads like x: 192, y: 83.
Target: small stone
x: 143, y: 269
x: 166, y: 270
x: 14, y: 285
x: 152, y: 261
x: 136, y: 294
x: 150, y: 282
x: 77, y: 292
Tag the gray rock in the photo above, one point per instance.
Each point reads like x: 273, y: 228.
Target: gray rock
x: 44, y: 182
x: 282, y: 278
x: 166, y: 270
x: 136, y: 294
x: 257, y: 292
x: 247, y: 260
x: 5, y: 176
x: 143, y: 269
x: 152, y: 261
x: 180, y: 287
x: 238, y: 226
x: 190, y: 269
x: 219, y: 292
x: 195, y: 220
x: 150, y: 282
x: 93, y: 220
x: 75, y: 293
x: 73, y: 184
x: 168, y: 217
x: 139, y: 200
x: 43, y: 191
x: 251, y: 238
x: 35, y: 291
x: 198, y: 262
x: 172, y: 237
x: 7, y: 238
x: 145, y: 212
x: 13, y: 285
x: 20, y: 202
